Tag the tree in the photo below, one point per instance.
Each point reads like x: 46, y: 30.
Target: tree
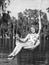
x: 4, y: 4
x: 26, y: 20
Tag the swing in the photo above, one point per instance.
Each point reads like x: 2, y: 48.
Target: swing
x: 32, y: 45
x: 36, y: 39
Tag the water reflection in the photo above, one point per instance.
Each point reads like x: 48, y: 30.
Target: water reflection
x: 36, y: 56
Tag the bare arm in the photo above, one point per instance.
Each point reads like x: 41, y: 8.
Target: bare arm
x: 37, y: 38
x: 37, y: 35
x: 37, y: 41
x: 23, y: 39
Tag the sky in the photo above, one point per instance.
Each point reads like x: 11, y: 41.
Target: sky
x: 20, y: 5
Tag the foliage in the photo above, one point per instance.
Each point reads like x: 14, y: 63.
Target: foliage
x: 45, y: 23
x: 30, y: 17
x: 4, y: 2
x: 3, y: 5
x: 25, y: 20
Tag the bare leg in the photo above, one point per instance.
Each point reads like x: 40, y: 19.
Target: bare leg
x: 19, y: 47
x: 30, y: 45
x: 16, y: 50
x: 12, y: 54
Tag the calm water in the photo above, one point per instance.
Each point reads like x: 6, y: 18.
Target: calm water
x: 36, y: 56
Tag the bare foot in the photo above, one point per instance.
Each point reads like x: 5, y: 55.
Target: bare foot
x: 11, y: 57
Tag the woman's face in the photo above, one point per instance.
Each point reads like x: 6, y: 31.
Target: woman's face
x: 32, y: 29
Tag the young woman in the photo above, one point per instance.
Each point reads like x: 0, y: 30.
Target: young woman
x: 30, y: 42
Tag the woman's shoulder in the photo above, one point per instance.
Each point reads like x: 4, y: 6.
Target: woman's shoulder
x: 32, y: 35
